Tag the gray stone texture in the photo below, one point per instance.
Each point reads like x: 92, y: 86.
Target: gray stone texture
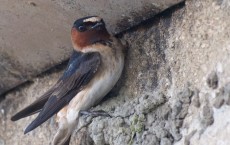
x: 164, y: 96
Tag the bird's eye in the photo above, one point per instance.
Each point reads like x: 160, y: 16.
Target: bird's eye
x: 81, y: 28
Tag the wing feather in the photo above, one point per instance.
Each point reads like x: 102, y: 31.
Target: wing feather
x: 71, y: 86
x: 34, y: 108
x: 79, y: 72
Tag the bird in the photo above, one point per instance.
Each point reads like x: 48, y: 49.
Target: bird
x: 95, y: 66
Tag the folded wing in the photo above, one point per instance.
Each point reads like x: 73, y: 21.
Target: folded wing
x: 80, y: 70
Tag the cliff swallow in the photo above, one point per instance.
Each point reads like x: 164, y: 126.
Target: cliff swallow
x: 94, y: 68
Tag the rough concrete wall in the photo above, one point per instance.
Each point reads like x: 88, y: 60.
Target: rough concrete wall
x: 175, y: 88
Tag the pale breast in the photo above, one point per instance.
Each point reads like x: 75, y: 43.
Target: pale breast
x: 112, y: 63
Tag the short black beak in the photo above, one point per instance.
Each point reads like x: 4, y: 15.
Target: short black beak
x: 97, y: 25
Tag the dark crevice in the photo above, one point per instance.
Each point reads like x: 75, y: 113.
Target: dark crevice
x: 154, y: 20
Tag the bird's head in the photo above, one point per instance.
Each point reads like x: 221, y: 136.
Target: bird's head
x: 87, y: 31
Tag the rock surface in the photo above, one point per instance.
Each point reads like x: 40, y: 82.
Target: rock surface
x: 175, y: 88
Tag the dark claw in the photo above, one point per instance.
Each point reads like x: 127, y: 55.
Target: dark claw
x: 95, y: 113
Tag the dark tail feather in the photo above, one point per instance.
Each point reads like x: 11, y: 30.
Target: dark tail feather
x: 34, y: 107
x: 48, y: 111
x: 30, y: 110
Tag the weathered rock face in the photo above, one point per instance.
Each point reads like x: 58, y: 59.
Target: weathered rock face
x: 175, y: 88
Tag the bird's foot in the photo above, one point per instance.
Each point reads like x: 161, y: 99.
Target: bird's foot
x: 95, y: 113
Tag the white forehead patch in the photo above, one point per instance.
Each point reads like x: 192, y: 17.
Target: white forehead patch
x: 92, y: 19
